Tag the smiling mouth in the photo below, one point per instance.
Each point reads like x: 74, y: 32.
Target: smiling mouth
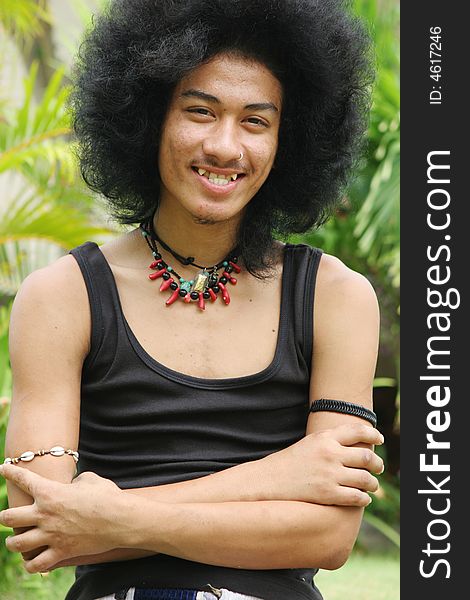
x: 218, y: 178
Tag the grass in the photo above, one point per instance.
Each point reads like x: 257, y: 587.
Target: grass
x: 53, y: 586
x: 363, y: 577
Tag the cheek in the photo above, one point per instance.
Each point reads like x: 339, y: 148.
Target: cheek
x: 177, y: 140
x: 264, y: 156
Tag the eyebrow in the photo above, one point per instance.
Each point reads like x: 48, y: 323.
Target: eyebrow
x: 210, y: 98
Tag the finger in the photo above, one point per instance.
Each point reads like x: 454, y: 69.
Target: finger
x: 363, y: 458
x: 355, y: 433
x: 33, y: 553
x: 25, y: 542
x: 42, y: 563
x: 23, y: 478
x: 350, y: 496
x: 359, y: 479
x: 21, y: 516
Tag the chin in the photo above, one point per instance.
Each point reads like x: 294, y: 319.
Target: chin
x: 211, y: 215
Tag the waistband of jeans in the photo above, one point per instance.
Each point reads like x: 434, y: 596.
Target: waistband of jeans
x: 165, y: 594
x: 212, y: 593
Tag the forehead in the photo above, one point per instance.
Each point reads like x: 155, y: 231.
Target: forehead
x: 234, y: 79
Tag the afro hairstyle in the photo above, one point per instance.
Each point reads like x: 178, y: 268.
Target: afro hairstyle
x: 137, y: 51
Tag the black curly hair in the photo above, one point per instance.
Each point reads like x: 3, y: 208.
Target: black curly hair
x: 138, y: 50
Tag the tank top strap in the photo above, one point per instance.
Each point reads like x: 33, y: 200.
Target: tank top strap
x: 303, y: 264
x: 104, y: 301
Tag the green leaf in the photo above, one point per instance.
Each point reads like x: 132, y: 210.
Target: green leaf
x: 384, y: 528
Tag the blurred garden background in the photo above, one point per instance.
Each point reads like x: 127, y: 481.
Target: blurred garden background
x: 45, y: 209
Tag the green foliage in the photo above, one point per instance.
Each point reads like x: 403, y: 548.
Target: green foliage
x: 384, y: 511
x: 32, y: 133
x: 23, y: 19
x: 17, y: 584
x: 47, y: 209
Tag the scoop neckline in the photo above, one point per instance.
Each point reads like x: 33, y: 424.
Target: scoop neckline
x: 205, y: 382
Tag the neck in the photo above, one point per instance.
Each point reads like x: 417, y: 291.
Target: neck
x: 208, y: 243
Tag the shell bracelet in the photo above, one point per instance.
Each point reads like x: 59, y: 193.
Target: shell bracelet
x: 28, y: 456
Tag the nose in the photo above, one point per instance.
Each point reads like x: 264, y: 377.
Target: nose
x: 222, y: 143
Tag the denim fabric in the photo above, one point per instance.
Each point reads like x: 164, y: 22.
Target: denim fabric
x: 179, y: 594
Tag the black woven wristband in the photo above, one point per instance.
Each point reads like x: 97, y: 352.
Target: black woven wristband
x: 348, y: 408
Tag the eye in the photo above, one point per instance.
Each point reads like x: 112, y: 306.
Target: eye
x: 199, y: 110
x: 257, y: 122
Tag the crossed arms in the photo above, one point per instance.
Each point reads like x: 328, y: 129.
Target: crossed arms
x: 299, y: 507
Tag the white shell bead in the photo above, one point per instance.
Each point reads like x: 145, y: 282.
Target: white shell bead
x: 7, y: 461
x: 27, y: 456
x: 57, y: 451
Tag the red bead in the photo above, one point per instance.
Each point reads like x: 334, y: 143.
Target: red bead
x: 166, y: 284
x: 225, y: 294
x: 201, y: 303
x: 236, y: 268
x: 187, y: 298
x: 232, y: 280
x: 213, y: 295
x: 173, y: 297
x: 154, y: 264
x: 157, y: 274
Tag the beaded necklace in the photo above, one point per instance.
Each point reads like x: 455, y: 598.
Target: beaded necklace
x: 206, y: 285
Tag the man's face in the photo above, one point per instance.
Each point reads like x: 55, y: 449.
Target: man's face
x: 225, y: 107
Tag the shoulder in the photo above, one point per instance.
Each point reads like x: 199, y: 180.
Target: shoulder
x: 59, y: 283
x: 344, y: 296
x: 53, y: 299
x: 346, y: 333
x: 343, y: 284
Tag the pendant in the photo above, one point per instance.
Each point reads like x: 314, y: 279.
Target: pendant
x: 201, y: 282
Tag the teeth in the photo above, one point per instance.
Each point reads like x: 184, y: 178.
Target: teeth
x: 217, y: 178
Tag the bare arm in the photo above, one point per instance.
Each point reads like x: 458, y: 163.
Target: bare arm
x: 47, y: 348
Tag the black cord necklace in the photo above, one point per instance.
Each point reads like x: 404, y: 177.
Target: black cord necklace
x: 206, y: 285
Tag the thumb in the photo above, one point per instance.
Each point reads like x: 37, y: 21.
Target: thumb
x: 23, y: 478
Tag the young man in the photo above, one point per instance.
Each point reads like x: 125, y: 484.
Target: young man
x: 203, y: 471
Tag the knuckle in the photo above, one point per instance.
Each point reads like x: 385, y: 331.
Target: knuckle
x: 323, y: 488
x: 46, y: 495
x: 358, y: 498
x: 359, y: 428
x: 6, y: 518
x: 40, y: 565
x: 365, y: 481
x: 367, y: 457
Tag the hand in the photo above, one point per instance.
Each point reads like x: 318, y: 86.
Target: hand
x: 65, y: 520
x: 325, y: 467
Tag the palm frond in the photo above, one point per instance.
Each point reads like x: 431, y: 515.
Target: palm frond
x: 23, y: 19
x: 32, y: 124
x: 37, y: 229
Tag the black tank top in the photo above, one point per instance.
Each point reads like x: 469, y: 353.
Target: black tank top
x: 143, y: 424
